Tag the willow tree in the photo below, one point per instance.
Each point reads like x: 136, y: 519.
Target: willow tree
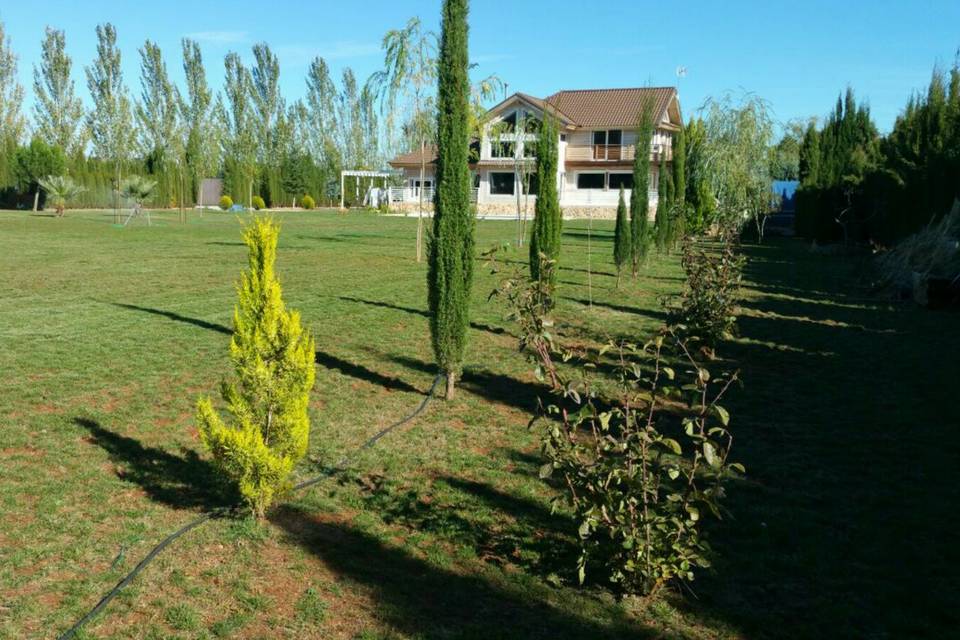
x: 404, y: 88
x: 640, y: 194
x: 111, y: 121
x: 450, y: 256
x: 548, y: 219
x: 57, y: 111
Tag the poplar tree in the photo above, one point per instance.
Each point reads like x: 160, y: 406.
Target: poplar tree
x: 239, y: 143
x: 622, y: 247
x: 12, y: 122
x: 450, y: 256
x: 548, y: 218
x: 110, y: 123
x: 158, y: 113
x: 321, y: 121
x: 267, y: 398
x: 639, y: 195
x: 268, y: 116
x: 202, y: 136
x: 57, y: 112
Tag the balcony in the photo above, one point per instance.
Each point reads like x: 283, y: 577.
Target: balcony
x: 610, y: 152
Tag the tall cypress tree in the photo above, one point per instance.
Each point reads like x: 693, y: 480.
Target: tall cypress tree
x: 450, y: 268
x: 639, y: 196
x: 664, y: 207
x: 680, y: 166
x: 548, y: 219
x: 621, y: 238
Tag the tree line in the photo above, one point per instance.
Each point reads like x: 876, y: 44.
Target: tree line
x: 248, y: 134
x: 859, y: 186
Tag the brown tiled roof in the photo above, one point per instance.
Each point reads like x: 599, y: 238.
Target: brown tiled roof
x: 413, y: 157
x: 609, y: 107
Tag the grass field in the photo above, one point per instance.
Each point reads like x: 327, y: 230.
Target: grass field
x: 847, y: 424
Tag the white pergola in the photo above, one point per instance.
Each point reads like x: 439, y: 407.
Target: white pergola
x: 363, y: 174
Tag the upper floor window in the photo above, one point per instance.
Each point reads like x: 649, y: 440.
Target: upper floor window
x: 611, y: 136
x: 500, y: 149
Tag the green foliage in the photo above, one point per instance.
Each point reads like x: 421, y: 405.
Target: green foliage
x: 273, y: 359
x: 137, y: 188
x: 663, y: 223
x: 296, y: 169
x: 700, y: 212
x: 641, y: 479
x: 622, y: 247
x: 36, y: 161
x: 258, y: 203
x: 307, y: 202
x: 58, y: 112
x: 548, y: 218
x: 60, y: 190
x: 640, y: 194
x: 680, y: 165
x: 708, y: 304
x: 450, y: 250
x: 226, y: 202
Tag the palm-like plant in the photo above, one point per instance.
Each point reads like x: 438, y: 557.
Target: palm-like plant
x: 137, y: 189
x: 59, y: 190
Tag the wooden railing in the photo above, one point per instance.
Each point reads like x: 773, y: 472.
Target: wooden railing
x: 611, y: 152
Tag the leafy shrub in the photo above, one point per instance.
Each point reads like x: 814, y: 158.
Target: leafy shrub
x: 226, y: 202
x: 307, y: 202
x: 273, y: 359
x: 642, y: 464
x: 258, y: 203
x: 708, y: 304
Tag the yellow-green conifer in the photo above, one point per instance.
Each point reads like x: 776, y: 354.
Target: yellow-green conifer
x: 267, y: 398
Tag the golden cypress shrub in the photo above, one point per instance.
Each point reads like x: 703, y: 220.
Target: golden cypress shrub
x: 273, y: 359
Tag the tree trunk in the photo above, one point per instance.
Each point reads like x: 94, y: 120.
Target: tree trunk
x: 451, y: 384
x: 36, y: 200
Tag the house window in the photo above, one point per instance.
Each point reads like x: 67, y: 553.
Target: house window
x: 533, y: 184
x: 617, y: 180
x: 613, y: 136
x: 501, y: 183
x: 503, y: 149
x: 590, y: 180
x: 529, y: 148
x: 476, y: 180
x: 531, y: 124
x: 511, y: 121
x: 416, y: 184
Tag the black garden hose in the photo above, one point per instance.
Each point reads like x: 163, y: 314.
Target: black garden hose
x: 224, y: 511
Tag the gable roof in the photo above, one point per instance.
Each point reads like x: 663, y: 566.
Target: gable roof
x: 610, y: 107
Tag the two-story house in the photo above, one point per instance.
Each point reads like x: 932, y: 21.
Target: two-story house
x: 597, y: 130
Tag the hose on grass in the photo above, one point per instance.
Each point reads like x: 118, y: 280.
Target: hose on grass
x: 225, y: 511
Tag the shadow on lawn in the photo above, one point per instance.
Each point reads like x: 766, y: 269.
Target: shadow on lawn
x: 637, y: 311
x: 423, y: 600
x: 358, y: 371
x: 203, y: 324
x: 479, y: 326
x: 840, y: 527
x: 180, y: 481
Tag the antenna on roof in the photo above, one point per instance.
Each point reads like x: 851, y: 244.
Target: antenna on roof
x: 681, y: 72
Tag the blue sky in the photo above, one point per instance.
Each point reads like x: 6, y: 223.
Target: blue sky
x: 797, y: 55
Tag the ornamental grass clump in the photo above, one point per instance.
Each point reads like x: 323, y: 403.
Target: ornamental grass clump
x: 267, y: 430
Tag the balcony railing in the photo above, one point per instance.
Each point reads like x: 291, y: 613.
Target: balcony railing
x: 610, y: 152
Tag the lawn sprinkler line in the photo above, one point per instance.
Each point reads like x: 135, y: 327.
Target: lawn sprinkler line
x: 225, y: 511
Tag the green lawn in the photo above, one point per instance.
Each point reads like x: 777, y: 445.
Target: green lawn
x: 847, y: 425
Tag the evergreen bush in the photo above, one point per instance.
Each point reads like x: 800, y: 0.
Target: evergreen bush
x: 226, y: 202
x: 258, y: 203
x: 307, y: 202
x: 267, y: 398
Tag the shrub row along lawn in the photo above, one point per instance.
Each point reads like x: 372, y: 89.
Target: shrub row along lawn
x: 845, y: 424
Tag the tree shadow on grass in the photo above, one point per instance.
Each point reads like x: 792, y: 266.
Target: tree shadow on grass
x: 495, y: 387
x: 422, y: 313
x: 203, y: 324
x: 639, y: 311
x: 420, y: 599
x: 358, y: 371
x: 180, y: 481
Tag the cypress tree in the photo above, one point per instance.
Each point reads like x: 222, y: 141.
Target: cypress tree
x: 548, y: 219
x: 450, y: 268
x: 639, y: 195
x: 621, y: 238
x: 664, y: 207
x: 680, y: 166
x: 273, y: 358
